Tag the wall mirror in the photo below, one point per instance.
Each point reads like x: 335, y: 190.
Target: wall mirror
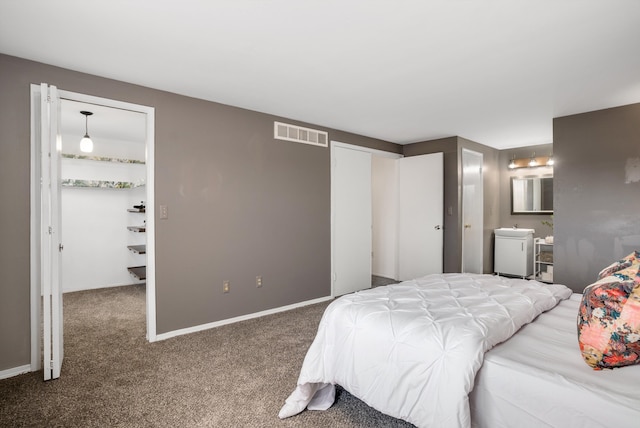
x: 532, y: 195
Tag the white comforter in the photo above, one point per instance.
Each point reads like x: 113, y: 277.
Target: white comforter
x: 412, y: 350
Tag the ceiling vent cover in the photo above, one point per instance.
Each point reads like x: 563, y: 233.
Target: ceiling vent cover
x: 299, y: 134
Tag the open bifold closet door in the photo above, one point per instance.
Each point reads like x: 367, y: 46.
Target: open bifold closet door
x: 50, y: 231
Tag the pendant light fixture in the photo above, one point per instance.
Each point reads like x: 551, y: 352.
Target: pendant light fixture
x: 86, y: 145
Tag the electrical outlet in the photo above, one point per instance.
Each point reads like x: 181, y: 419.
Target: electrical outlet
x: 226, y: 286
x: 258, y: 281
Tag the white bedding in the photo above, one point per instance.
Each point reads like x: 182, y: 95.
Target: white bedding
x: 412, y: 350
x: 538, y: 379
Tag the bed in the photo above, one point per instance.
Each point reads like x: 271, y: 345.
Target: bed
x: 539, y: 379
x: 391, y: 347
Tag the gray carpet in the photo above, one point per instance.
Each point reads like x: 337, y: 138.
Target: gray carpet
x: 377, y: 281
x: 232, y: 376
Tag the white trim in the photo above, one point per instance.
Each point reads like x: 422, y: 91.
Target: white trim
x: 15, y: 371
x: 100, y: 286
x: 35, y: 292
x: 151, y: 225
x: 35, y: 221
x: 366, y: 149
x: 150, y: 196
x: 215, y: 324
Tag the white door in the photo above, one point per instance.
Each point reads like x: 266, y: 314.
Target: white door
x: 472, y: 211
x: 420, y: 215
x: 50, y: 231
x: 351, y: 194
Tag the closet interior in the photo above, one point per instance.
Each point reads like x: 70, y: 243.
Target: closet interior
x: 102, y: 197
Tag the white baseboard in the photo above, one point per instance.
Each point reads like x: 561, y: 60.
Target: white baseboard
x: 4, y: 374
x: 98, y: 287
x: 215, y: 324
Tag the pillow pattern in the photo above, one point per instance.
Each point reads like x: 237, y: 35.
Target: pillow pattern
x: 609, y: 320
x: 627, y: 262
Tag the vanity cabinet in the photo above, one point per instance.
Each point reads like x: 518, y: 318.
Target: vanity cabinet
x: 513, y: 252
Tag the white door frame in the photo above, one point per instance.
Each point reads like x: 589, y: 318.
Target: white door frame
x: 352, y: 147
x: 477, y: 226
x: 35, y: 262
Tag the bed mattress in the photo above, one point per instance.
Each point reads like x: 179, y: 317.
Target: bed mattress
x: 538, y: 379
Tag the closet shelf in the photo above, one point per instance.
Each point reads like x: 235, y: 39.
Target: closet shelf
x: 138, y: 249
x: 139, y: 272
x: 102, y: 159
x: 99, y: 184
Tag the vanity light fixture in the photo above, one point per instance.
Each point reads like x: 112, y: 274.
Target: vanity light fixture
x: 531, y: 162
x: 86, y: 145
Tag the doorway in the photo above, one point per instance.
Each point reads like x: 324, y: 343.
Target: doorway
x: 99, y: 188
x: 54, y: 193
x: 406, y: 223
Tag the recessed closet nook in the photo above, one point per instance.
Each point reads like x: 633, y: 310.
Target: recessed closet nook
x: 103, y: 197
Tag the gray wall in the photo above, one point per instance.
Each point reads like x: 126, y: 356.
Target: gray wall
x: 596, y: 207
x: 528, y: 221
x: 452, y: 149
x: 240, y: 203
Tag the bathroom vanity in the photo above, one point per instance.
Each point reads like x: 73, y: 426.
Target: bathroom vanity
x: 513, y: 252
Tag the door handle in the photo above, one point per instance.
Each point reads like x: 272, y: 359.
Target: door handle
x: 60, y: 247
x: 437, y: 227
x: 467, y: 226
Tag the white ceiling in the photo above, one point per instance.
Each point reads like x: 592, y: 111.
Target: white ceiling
x: 492, y: 71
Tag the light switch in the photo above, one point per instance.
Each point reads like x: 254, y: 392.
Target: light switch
x: 164, y: 212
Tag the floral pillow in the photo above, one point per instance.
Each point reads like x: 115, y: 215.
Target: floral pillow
x: 627, y: 262
x: 609, y: 320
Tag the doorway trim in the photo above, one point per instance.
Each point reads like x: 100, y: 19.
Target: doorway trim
x: 477, y: 211
x: 35, y: 262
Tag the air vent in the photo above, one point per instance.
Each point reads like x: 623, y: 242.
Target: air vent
x: 299, y: 134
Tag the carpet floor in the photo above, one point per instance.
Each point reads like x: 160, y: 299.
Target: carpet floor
x: 232, y: 376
